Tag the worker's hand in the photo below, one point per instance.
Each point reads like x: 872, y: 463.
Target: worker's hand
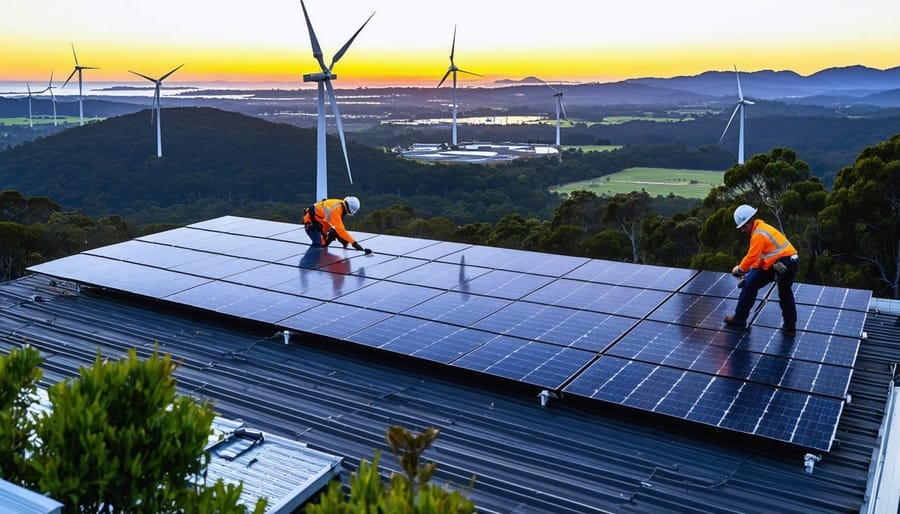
x: 737, y: 271
x: 357, y: 246
x: 779, y: 268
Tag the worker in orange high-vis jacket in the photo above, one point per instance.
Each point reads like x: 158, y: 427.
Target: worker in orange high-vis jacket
x: 324, y: 222
x: 771, y: 257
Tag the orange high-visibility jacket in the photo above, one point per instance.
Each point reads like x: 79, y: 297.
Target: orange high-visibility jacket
x: 329, y: 214
x: 767, y: 245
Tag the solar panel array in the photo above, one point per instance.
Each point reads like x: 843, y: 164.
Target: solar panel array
x: 645, y: 337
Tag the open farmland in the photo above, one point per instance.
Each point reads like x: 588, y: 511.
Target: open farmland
x: 656, y: 181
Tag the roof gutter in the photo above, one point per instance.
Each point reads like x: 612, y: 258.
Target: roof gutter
x: 883, y: 490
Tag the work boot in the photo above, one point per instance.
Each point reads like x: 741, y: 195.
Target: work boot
x: 731, y: 321
x: 789, y: 329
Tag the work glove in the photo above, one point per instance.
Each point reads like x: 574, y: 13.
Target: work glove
x: 737, y: 271
x: 357, y: 246
x: 779, y: 268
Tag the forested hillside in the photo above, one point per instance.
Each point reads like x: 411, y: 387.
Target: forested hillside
x: 217, y: 162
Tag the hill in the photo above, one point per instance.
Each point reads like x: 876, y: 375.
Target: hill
x: 209, y: 155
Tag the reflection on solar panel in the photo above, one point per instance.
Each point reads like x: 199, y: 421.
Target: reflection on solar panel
x: 646, y: 337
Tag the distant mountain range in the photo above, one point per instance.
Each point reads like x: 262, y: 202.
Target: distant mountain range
x: 846, y: 85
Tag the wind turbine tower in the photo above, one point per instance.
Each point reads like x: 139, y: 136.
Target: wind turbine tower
x: 78, y: 68
x: 158, y: 83
x: 559, y: 108
x: 30, y: 123
x: 739, y: 107
x: 323, y: 79
x: 453, y: 69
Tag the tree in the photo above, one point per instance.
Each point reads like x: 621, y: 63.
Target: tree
x: 410, y: 492
x: 626, y: 212
x: 861, y: 220
x: 19, y: 376
x: 118, y: 439
x: 764, y: 179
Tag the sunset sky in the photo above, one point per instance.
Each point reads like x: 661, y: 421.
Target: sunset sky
x: 408, y: 41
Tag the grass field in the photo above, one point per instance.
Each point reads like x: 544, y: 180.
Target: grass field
x: 656, y: 181
x: 592, y: 148
x: 43, y: 120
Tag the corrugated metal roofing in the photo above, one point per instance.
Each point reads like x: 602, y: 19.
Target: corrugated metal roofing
x: 567, y: 457
x: 18, y: 500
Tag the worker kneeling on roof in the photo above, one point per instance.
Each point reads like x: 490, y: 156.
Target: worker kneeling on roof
x: 324, y: 222
x: 771, y: 257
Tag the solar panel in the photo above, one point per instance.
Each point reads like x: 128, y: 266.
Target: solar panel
x: 634, y: 275
x: 422, y: 339
x: 540, y: 364
x: 813, y: 318
x: 457, y: 308
x: 624, y: 301
x: 837, y: 297
x: 440, y: 275
x: 646, y: 337
x: 504, y: 284
x: 558, y: 325
x: 389, y: 296
x: 516, y: 260
x: 711, y: 283
x: 798, y: 418
x: 694, y: 310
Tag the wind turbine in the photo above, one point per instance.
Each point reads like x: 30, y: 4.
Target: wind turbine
x: 453, y: 69
x: 30, y: 123
x: 323, y: 79
x: 739, y: 107
x: 559, y: 108
x: 78, y: 68
x: 158, y: 83
x: 50, y: 87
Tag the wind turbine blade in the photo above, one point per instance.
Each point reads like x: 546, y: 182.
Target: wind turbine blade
x: 748, y: 102
x: 164, y: 77
x: 445, y: 77
x: 738, y: 76
x: 313, y: 41
x: 29, y: 89
x: 453, y: 46
x: 340, y: 126
x: 736, y: 108
x: 74, y: 54
x: 551, y: 87
x: 70, y: 77
x: 151, y: 79
x: 469, y: 72
x: 344, y: 48
x: 562, y: 108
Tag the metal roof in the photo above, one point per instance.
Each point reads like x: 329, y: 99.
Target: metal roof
x: 18, y: 500
x: 566, y: 457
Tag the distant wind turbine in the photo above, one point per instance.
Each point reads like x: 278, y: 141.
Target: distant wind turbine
x: 158, y: 83
x: 50, y: 88
x: 559, y: 108
x: 739, y: 107
x: 78, y: 68
x: 453, y: 69
x: 323, y: 79
x: 30, y: 123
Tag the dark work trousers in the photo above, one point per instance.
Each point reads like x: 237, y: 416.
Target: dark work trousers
x: 756, y: 278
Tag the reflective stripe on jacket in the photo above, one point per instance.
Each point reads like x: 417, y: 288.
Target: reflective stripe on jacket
x: 330, y: 213
x: 767, y: 245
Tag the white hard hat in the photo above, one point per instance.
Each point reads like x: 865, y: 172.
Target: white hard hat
x: 743, y: 214
x: 352, y: 204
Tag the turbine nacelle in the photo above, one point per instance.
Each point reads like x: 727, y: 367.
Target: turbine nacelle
x: 318, y: 77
